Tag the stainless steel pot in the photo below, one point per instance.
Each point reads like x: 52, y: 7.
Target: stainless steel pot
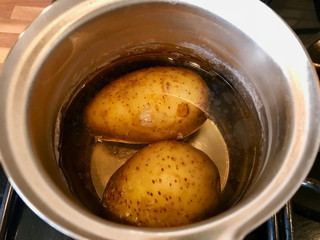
x: 244, y: 39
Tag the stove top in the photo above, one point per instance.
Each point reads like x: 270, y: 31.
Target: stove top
x: 299, y: 219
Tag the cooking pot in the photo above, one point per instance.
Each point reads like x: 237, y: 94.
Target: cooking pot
x: 245, y: 40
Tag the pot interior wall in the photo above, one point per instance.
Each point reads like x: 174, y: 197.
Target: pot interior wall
x: 152, y: 28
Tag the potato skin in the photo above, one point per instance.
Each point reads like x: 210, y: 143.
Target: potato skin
x: 149, y: 105
x: 166, y: 184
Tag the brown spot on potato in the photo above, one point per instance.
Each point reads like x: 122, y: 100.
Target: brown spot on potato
x: 183, y: 110
x: 103, y: 113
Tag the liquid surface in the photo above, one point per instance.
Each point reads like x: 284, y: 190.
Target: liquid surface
x: 231, y: 135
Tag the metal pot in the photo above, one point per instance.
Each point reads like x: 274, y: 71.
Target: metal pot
x: 71, y: 39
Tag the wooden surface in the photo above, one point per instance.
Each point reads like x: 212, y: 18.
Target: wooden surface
x: 15, y: 16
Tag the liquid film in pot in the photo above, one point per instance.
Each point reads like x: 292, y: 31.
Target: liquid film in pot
x: 230, y: 136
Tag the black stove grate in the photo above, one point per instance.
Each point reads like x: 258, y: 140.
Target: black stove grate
x: 18, y: 222
x: 278, y: 227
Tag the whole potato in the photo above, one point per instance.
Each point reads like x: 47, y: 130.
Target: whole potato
x: 165, y: 184
x: 149, y: 105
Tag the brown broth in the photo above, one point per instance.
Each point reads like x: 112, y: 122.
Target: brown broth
x: 237, y: 122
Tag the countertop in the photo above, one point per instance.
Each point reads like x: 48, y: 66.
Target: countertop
x: 15, y: 16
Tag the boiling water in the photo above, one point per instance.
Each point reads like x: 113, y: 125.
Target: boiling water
x: 230, y: 137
